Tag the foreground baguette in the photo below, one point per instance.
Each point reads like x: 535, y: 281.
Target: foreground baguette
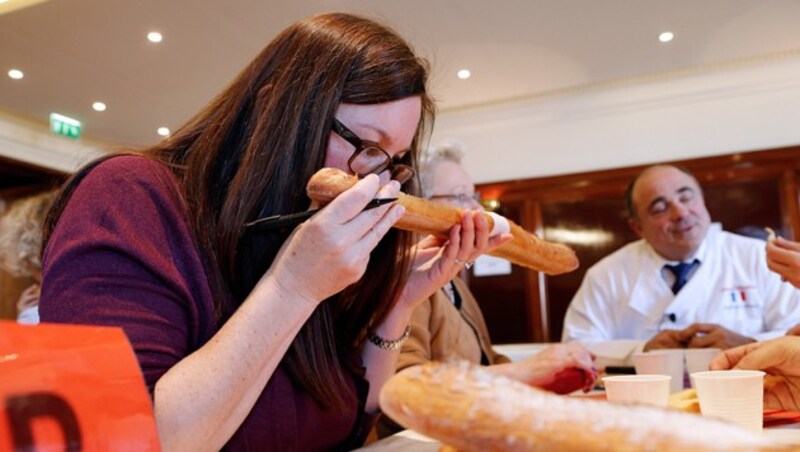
x: 428, y: 217
x: 472, y: 409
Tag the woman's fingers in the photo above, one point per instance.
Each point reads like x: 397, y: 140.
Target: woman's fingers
x: 467, y: 238
x: 782, y: 257
x: 351, y: 203
x: 366, y: 220
x: 781, y: 242
x: 331, y: 250
x: 732, y: 357
x: 369, y: 240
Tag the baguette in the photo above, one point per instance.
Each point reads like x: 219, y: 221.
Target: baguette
x: 429, y: 217
x: 473, y: 409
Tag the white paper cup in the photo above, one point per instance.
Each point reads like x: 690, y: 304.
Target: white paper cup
x: 736, y: 396
x: 698, y: 359
x: 641, y: 389
x: 662, y: 362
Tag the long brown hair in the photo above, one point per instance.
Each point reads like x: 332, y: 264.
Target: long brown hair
x: 249, y: 154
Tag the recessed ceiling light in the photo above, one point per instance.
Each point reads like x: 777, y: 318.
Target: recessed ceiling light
x: 666, y: 36
x: 16, y: 74
x: 154, y: 36
x: 464, y: 74
x: 163, y: 131
x: 99, y: 106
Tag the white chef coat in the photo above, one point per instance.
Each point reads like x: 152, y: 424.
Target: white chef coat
x: 624, y: 300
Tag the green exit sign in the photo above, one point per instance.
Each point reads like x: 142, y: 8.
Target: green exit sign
x: 64, y: 125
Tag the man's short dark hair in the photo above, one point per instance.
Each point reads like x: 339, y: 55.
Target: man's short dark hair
x: 630, y: 209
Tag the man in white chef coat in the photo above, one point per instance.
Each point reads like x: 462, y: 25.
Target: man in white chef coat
x: 685, y: 284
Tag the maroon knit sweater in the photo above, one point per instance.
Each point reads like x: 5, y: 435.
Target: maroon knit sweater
x: 122, y: 255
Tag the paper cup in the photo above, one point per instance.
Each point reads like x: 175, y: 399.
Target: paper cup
x: 698, y: 359
x: 641, y: 389
x: 662, y: 362
x: 736, y: 396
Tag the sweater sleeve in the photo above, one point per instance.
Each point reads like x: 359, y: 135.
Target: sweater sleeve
x: 121, y: 255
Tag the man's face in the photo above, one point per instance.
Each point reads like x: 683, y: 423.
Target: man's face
x: 671, y: 213
x: 453, y: 186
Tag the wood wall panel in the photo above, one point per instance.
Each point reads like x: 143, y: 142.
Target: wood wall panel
x: 744, y: 191
x: 500, y: 295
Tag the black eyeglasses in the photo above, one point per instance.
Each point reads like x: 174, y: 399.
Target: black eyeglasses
x: 369, y: 158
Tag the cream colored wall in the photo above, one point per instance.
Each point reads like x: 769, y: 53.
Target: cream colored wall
x: 741, y: 106
x: 32, y: 143
x: 748, y: 105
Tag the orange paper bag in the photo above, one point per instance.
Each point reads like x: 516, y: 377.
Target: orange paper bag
x: 66, y: 387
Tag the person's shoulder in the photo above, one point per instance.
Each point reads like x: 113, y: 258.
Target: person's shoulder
x: 127, y: 175
x: 127, y: 167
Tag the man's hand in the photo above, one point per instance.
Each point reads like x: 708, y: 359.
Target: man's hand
x: 710, y: 335
x: 666, y: 339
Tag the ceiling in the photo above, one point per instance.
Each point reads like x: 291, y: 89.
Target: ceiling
x: 76, y: 52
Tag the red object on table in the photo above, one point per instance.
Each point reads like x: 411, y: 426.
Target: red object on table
x: 570, y: 380
x: 774, y: 418
x: 74, y: 388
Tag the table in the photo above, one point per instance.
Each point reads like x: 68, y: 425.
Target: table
x: 519, y: 352
x: 411, y: 441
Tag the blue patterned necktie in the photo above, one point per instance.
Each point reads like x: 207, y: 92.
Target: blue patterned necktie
x: 681, y: 272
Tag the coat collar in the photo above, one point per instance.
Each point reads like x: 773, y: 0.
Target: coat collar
x: 651, y: 295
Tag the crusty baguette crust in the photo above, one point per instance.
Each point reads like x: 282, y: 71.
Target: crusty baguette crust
x: 428, y: 217
x: 472, y: 409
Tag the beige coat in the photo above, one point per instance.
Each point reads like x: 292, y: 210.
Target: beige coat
x: 440, y: 332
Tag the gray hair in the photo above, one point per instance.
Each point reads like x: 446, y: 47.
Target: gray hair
x: 21, y: 234
x: 447, y: 151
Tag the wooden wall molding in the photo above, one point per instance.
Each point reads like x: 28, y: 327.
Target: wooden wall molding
x: 766, y: 184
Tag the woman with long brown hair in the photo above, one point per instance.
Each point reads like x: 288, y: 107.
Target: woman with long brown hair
x: 254, y: 340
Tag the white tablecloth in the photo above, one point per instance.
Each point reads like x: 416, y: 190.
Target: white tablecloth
x: 518, y: 352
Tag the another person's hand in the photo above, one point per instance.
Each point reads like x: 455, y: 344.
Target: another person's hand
x: 437, y: 261
x: 710, y: 335
x: 542, y: 369
x: 783, y: 257
x: 794, y: 331
x: 779, y: 358
x: 666, y: 339
x: 29, y: 297
x: 331, y: 250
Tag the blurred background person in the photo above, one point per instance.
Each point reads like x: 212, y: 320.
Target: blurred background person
x: 449, y: 325
x: 21, y: 246
x: 686, y: 284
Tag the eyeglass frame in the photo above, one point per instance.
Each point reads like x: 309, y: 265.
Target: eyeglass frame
x: 360, y: 145
x: 461, y: 198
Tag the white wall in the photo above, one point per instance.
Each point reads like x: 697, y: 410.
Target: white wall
x: 32, y: 143
x: 746, y: 106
